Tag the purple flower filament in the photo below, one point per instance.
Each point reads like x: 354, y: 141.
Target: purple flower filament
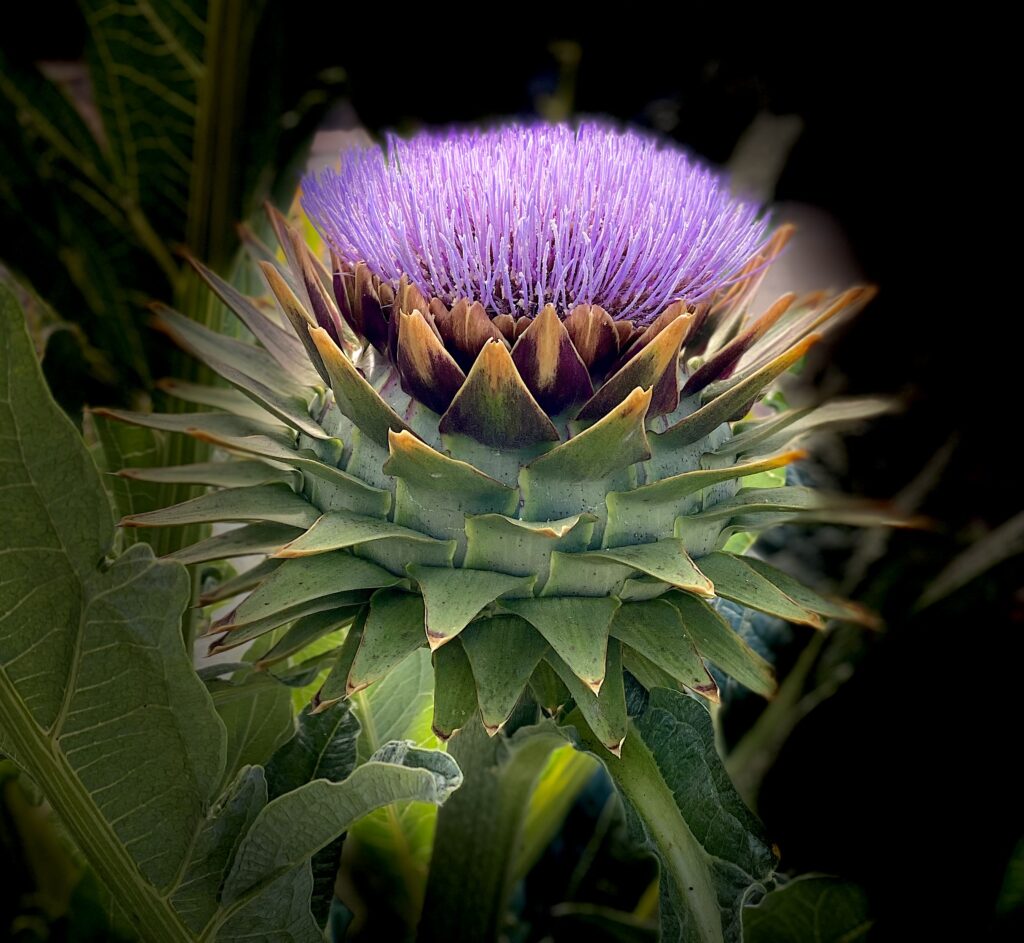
x: 522, y: 216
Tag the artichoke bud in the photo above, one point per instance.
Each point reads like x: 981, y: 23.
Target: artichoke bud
x: 511, y: 417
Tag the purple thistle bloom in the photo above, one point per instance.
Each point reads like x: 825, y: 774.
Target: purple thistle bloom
x: 522, y: 216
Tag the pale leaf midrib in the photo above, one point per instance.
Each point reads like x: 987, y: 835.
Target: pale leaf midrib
x: 40, y: 751
x: 93, y: 835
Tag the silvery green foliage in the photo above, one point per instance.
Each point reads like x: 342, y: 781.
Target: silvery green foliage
x: 100, y: 705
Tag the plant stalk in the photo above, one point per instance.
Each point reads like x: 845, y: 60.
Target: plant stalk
x: 479, y: 829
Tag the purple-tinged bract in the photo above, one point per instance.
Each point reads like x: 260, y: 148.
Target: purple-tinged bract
x: 523, y: 216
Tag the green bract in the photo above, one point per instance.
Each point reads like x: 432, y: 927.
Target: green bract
x: 542, y: 501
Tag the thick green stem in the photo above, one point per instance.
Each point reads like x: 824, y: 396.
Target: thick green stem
x: 683, y: 859
x: 152, y: 914
x: 478, y: 830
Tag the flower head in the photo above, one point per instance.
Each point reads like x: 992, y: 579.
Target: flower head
x: 560, y: 483
x: 523, y: 216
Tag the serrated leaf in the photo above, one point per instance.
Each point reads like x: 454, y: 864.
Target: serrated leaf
x: 290, y: 829
x: 323, y: 746
x: 810, y: 909
x: 98, y: 698
x: 711, y: 848
x: 257, y: 714
x: 197, y: 896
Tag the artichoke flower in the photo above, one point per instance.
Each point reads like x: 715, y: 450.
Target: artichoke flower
x: 512, y: 421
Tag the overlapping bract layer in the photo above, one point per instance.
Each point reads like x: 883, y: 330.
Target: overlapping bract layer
x: 525, y: 545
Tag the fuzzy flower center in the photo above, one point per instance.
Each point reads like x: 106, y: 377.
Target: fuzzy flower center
x: 522, y: 216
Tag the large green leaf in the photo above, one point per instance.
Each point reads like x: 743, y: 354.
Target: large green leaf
x: 146, y: 64
x: 196, y: 898
x: 322, y: 747
x: 263, y: 884
x: 563, y: 778
x: 98, y: 700
x: 811, y: 909
x: 99, y: 703
x: 711, y: 848
x: 257, y: 714
x: 294, y: 826
x: 122, y: 446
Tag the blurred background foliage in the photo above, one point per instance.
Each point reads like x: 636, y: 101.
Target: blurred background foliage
x: 132, y: 132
